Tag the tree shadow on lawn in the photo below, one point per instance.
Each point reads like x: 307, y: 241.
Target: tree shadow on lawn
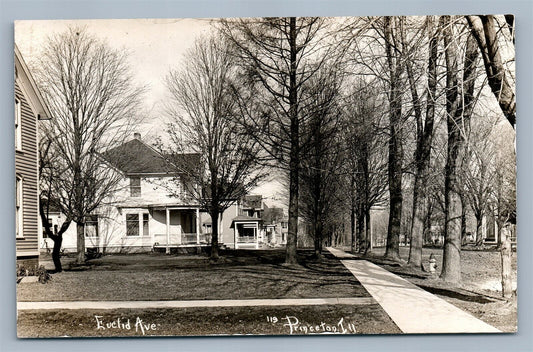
x: 228, y: 259
x: 320, y: 273
x: 247, y: 267
x: 456, y: 294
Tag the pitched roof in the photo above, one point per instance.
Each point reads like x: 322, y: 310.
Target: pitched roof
x: 135, y: 157
x: 244, y: 218
x: 35, y: 99
x: 252, y: 201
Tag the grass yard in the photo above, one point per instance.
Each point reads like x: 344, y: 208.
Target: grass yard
x: 480, y: 269
x: 246, y: 274
x: 239, y: 274
x: 479, y: 293
x: 367, y: 319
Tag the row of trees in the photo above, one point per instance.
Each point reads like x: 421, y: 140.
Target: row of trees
x: 347, y: 110
x: 327, y: 101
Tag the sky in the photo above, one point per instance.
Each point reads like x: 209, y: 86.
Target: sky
x: 154, y: 45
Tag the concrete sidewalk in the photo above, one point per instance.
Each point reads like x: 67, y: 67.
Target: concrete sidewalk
x: 414, y: 310
x: 193, y: 304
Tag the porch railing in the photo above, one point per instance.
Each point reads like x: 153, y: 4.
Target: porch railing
x: 246, y: 239
x: 191, y: 238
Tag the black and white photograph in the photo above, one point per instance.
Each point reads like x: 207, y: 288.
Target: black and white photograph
x: 265, y: 176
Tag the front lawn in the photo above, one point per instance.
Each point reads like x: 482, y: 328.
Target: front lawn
x: 239, y: 274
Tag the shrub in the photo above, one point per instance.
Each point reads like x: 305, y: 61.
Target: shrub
x: 22, y: 270
x: 40, y: 272
x: 43, y: 275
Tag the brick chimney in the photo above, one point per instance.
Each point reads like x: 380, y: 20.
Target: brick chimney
x: 137, y: 135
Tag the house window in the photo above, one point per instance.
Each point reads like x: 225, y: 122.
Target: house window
x: 132, y: 224
x: 19, y: 211
x: 146, y: 229
x: 135, y: 186
x: 91, y: 226
x: 18, y: 127
x: 137, y: 224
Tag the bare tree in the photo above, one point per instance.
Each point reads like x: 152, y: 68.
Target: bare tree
x: 365, y: 157
x: 92, y: 98
x: 48, y: 172
x: 492, y: 40
x: 504, y: 207
x: 478, y: 171
x: 320, y: 174
x: 424, y: 137
x: 204, y: 110
x: 459, y: 106
x: 392, y: 27
x: 278, y: 55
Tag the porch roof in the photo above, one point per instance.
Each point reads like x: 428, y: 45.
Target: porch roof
x: 141, y: 204
x: 245, y: 219
x: 174, y: 206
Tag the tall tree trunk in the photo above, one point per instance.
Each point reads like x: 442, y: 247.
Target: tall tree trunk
x: 80, y: 226
x: 290, y: 257
x: 423, y: 147
x: 459, y: 109
x: 214, y: 234
x: 321, y: 241
x: 451, y: 262
x: 395, y: 145
x: 57, y: 238
x: 417, y: 226
x: 56, y: 254
x: 479, y: 231
x: 427, y: 223
x: 463, y: 220
x: 368, y: 229
x: 352, y: 213
x: 316, y: 236
x: 361, y: 240
x: 506, y: 251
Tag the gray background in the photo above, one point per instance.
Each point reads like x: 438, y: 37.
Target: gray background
x: 11, y: 10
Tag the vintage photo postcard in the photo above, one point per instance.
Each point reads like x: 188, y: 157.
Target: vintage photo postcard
x: 265, y: 176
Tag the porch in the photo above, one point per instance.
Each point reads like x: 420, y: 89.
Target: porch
x: 246, y: 232
x: 181, y: 228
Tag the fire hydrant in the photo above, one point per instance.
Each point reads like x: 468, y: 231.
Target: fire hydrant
x: 432, y: 264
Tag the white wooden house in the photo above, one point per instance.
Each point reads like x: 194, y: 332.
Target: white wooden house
x: 151, y: 210
x: 30, y: 107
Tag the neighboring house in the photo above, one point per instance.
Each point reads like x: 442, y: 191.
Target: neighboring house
x: 275, y: 225
x: 29, y: 109
x: 152, y: 209
x: 248, y: 224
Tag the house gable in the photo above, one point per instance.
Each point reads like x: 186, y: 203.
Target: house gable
x: 136, y: 158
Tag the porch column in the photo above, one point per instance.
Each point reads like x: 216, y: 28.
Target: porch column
x: 197, y: 226
x: 167, y: 212
x: 235, y: 235
x: 256, y: 230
